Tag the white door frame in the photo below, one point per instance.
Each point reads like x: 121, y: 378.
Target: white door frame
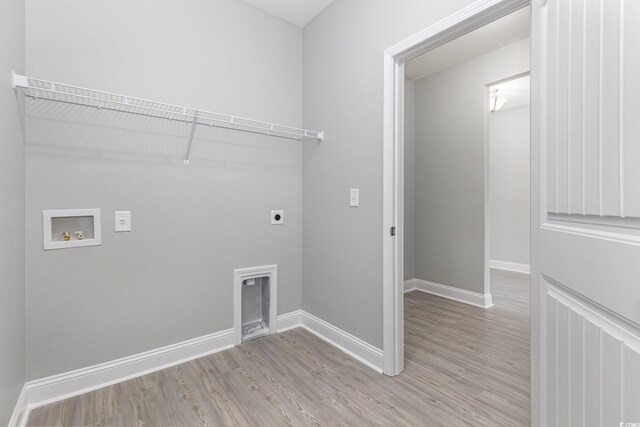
x: 476, y: 15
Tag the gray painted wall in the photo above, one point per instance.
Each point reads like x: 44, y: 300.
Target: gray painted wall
x: 509, y: 177
x: 170, y: 279
x: 11, y: 211
x: 343, y: 94
x: 409, y: 179
x: 450, y: 166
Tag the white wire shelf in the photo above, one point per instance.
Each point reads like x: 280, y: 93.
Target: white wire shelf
x: 59, y: 92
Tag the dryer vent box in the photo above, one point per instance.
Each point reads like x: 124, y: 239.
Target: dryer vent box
x: 255, y: 301
x: 256, y: 297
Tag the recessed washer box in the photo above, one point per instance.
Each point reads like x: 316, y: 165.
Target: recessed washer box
x: 71, y: 228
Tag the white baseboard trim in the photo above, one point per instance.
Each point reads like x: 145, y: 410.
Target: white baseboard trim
x: 59, y: 387
x: 351, y: 345
x: 461, y: 295
x: 20, y: 412
x: 63, y: 386
x: 409, y: 285
x: 510, y: 266
x: 289, y: 321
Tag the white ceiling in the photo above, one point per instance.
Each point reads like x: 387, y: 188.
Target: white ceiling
x: 499, y: 33
x: 297, y: 12
x: 516, y: 91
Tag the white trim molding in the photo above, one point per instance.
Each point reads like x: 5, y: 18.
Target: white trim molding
x: 63, y: 386
x: 510, y: 266
x: 59, y: 387
x: 593, y: 354
x: 410, y: 285
x: 607, y: 321
x: 20, y: 413
x: 350, y: 344
x: 449, y: 292
x: 289, y: 321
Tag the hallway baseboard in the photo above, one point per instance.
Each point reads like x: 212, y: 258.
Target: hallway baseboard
x: 460, y: 295
x: 510, y: 266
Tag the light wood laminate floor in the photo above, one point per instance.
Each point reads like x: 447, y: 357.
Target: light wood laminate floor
x: 464, y: 366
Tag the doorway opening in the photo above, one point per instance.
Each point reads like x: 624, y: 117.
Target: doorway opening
x: 473, y: 17
x: 397, y: 58
x: 507, y: 125
x: 466, y: 205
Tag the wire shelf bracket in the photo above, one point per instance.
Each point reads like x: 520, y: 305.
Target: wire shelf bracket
x: 58, y: 92
x: 194, y: 122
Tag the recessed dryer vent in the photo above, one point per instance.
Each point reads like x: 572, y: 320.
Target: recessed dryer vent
x: 255, y: 296
x: 255, y: 307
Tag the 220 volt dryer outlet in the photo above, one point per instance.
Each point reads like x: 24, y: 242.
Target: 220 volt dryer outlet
x: 123, y: 221
x: 277, y: 217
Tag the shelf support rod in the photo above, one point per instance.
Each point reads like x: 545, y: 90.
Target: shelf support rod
x: 191, y: 135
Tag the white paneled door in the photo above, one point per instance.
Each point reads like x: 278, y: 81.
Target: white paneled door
x: 586, y: 304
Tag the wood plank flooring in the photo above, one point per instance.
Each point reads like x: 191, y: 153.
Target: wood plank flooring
x: 464, y: 366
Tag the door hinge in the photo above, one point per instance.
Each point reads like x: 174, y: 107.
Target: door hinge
x: 393, y: 230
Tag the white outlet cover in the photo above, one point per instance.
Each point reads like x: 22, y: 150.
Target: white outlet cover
x: 123, y: 221
x: 277, y: 217
x: 354, y: 197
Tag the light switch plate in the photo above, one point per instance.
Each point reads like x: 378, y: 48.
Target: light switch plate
x: 123, y: 221
x: 354, y: 197
x: 277, y: 217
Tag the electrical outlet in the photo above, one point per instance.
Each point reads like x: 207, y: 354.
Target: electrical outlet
x: 277, y: 217
x: 123, y: 221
